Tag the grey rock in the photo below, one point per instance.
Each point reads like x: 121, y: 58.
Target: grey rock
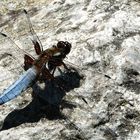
x: 102, y: 92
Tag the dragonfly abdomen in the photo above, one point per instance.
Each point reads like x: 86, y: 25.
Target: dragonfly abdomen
x: 19, y: 86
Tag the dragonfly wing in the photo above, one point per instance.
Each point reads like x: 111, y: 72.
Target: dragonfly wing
x: 14, y: 44
x: 26, y: 80
x: 35, y: 39
x: 21, y: 31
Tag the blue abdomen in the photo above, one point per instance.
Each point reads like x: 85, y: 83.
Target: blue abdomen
x: 19, y: 86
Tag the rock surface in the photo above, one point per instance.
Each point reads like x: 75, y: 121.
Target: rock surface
x: 105, y: 37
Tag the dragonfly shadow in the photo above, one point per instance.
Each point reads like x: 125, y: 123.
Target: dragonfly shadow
x: 46, y: 102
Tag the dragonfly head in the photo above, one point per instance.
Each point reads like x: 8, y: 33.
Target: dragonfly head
x: 64, y: 47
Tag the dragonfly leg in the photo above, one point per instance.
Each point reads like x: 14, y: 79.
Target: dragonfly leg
x: 53, y: 70
x: 47, y: 75
x: 28, y: 62
x: 65, y: 66
x: 53, y: 64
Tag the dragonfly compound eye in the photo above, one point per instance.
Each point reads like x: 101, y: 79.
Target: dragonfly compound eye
x: 64, y: 46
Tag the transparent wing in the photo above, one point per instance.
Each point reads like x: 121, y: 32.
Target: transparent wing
x: 15, y: 41
x: 10, y: 63
x: 20, y: 29
x: 35, y: 39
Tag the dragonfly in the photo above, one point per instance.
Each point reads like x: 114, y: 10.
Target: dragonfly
x: 35, y: 68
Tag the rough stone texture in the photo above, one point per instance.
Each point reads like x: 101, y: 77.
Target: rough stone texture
x: 105, y: 46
